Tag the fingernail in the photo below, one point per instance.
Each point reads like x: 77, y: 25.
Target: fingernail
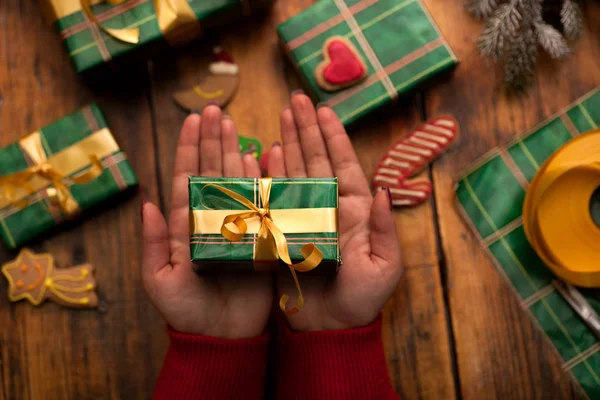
x: 275, y: 144
x: 196, y: 112
x: 247, y: 153
x: 297, y: 91
x: 144, y: 201
x: 321, y: 105
x: 387, y: 189
x: 226, y: 116
x: 214, y: 103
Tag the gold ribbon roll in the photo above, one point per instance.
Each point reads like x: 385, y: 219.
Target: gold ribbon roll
x: 50, y: 174
x: 557, y: 211
x: 271, y: 243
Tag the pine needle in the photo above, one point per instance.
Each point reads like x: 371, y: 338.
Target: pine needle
x: 551, y: 40
x: 570, y: 17
x: 521, y: 56
x: 481, y: 8
x: 502, y: 24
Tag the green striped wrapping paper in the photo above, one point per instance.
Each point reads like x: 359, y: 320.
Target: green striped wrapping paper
x: 213, y: 250
x: 18, y: 226
x: 89, y: 47
x: 490, y: 197
x: 404, y: 41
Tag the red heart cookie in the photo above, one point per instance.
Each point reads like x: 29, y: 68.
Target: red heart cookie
x: 409, y: 156
x: 342, y: 65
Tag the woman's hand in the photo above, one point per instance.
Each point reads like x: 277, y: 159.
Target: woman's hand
x: 213, y: 304
x: 315, y: 144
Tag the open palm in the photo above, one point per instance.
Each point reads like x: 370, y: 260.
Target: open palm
x: 216, y: 304
x: 315, y: 144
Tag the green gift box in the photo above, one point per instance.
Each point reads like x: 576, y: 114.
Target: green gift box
x: 398, y: 41
x: 490, y: 197
x: 304, y: 210
x: 177, y: 21
x: 57, y: 172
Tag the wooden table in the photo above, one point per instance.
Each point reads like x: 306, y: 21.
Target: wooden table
x: 452, y: 328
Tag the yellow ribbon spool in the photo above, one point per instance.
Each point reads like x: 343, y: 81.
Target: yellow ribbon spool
x: 271, y: 243
x: 557, y: 211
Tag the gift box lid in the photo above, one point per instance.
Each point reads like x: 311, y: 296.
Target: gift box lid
x: 304, y: 209
x: 397, y: 40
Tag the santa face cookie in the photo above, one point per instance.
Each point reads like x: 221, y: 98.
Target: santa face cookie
x: 342, y: 65
x: 33, y: 277
x: 217, y: 84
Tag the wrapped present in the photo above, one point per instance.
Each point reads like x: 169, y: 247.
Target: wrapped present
x: 356, y: 56
x: 257, y: 224
x: 96, y: 32
x: 491, y: 197
x: 54, y: 174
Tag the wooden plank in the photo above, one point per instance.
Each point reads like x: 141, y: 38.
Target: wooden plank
x: 500, y: 354
x: 416, y: 333
x: 51, y: 352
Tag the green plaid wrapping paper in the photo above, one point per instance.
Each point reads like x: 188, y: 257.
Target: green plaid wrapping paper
x: 18, y: 226
x: 89, y: 46
x: 405, y: 45
x: 212, y: 249
x: 490, y: 197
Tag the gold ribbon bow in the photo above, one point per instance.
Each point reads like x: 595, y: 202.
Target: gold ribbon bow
x: 170, y: 14
x: 271, y: 243
x: 57, y: 191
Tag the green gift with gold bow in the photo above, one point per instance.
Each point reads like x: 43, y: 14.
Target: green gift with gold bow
x: 247, y: 224
x: 96, y: 32
x: 57, y: 172
x: 358, y: 55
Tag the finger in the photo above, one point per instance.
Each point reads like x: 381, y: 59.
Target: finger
x: 232, y: 159
x: 351, y: 178
x: 292, y: 151
x: 251, y: 165
x: 311, y: 138
x: 385, y: 247
x: 155, y: 240
x: 276, y: 167
x: 186, y: 160
x: 210, y: 142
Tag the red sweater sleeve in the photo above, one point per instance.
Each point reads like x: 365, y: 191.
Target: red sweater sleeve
x: 201, y: 367
x: 344, y: 364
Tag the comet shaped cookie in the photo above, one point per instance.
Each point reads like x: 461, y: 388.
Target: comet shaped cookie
x: 34, y: 277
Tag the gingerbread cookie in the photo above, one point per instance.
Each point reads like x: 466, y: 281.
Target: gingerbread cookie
x: 217, y: 84
x: 342, y: 65
x: 34, y: 277
x: 409, y: 156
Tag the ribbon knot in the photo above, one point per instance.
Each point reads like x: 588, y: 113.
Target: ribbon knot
x: 16, y: 188
x: 271, y: 243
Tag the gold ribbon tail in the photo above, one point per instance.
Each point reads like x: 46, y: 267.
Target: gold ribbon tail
x: 270, y: 239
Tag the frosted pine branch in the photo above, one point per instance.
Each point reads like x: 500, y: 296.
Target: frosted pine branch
x: 551, y: 40
x: 504, y: 23
x: 515, y: 28
x: 570, y: 17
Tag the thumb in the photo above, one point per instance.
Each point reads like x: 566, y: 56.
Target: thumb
x: 385, y: 247
x: 155, y: 240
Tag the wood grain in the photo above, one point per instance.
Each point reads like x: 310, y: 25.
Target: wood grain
x: 500, y: 355
x: 51, y: 352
